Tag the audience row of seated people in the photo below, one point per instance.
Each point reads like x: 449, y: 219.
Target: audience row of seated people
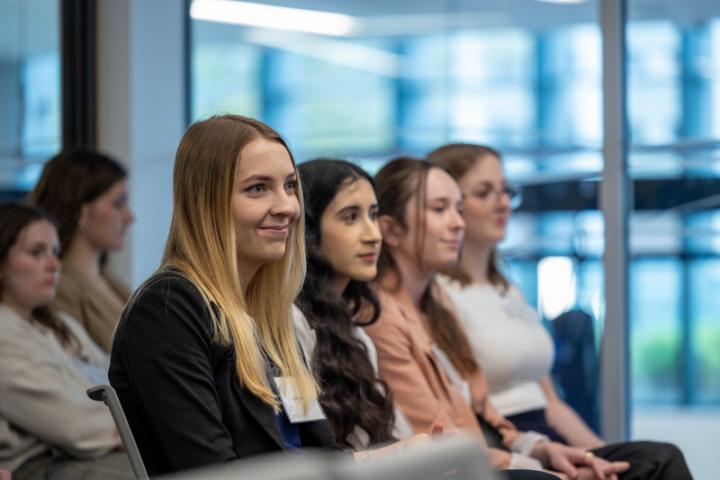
x: 308, y: 306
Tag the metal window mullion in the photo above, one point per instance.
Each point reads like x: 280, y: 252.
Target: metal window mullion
x: 615, y: 202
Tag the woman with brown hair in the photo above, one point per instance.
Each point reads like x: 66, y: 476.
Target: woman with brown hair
x: 48, y: 427
x: 86, y: 192
x: 423, y: 353
x: 492, y: 311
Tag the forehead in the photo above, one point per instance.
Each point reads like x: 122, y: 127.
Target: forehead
x: 36, y: 232
x: 359, y: 191
x: 485, y: 169
x: 264, y: 157
x: 440, y: 185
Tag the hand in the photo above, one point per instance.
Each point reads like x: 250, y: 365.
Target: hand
x: 609, y: 470
x: 4, y: 474
x: 499, y: 459
x: 561, y: 458
x: 576, y: 463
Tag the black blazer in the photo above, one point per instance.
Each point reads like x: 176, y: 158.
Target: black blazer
x: 179, y: 389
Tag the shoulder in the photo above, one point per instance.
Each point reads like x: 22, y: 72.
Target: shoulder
x: 14, y: 328
x: 167, y: 287
x: 166, y: 301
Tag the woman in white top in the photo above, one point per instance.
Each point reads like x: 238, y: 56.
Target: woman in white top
x: 343, y: 241
x: 48, y: 426
x: 511, y: 345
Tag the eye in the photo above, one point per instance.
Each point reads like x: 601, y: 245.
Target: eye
x: 120, y: 203
x: 291, y: 185
x: 37, y: 252
x: 256, y: 189
x: 374, y: 215
x: 350, y: 218
x: 482, y: 194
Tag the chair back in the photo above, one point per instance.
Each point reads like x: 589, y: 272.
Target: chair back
x: 107, y: 395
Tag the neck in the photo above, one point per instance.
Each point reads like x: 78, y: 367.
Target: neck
x: 246, y: 273
x: 83, y: 257
x: 475, y: 261
x: 413, y: 280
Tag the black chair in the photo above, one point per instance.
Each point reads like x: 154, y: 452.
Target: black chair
x: 576, y: 371
x: 107, y: 395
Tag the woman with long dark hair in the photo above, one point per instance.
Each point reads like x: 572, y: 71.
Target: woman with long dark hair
x: 343, y: 241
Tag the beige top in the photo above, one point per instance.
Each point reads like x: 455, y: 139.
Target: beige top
x: 42, y: 393
x: 409, y: 363
x: 82, y: 300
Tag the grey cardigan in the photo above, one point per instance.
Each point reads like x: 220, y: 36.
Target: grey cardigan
x: 42, y: 393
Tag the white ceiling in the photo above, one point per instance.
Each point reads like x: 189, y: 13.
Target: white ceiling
x: 30, y: 26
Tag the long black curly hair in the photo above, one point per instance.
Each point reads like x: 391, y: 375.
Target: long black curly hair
x: 352, y: 395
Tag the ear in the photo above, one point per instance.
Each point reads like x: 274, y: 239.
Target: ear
x: 391, y: 230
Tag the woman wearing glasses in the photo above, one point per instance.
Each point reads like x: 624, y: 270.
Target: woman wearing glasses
x: 493, y: 311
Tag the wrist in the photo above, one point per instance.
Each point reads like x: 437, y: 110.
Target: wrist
x: 530, y: 444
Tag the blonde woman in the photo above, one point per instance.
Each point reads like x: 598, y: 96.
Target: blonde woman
x: 205, y: 353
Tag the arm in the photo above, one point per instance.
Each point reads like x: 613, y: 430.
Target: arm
x: 565, y: 421
x: 165, y: 346
x: 47, y: 399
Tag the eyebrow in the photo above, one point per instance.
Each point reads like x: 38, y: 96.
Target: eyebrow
x: 258, y: 177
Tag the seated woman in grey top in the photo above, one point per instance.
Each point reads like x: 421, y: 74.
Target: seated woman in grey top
x: 46, y: 421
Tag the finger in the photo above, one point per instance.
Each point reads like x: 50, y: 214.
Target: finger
x: 597, y: 469
x: 563, y: 465
x: 437, y: 429
x: 617, y: 467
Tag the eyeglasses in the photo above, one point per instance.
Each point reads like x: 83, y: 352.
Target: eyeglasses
x: 512, y: 192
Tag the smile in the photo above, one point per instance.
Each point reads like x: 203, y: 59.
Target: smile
x: 280, y: 231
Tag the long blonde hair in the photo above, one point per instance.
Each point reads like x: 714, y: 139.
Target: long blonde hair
x: 202, y: 245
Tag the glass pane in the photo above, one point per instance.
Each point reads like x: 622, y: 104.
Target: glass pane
x: 673, y: 98
x: 29, y: 91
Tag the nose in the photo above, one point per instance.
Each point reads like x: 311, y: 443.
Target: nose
x: 285, y: 205
x: 371, y: 232
x: 457, y: 222
x: 503, y: 202
x: 129, y: 216
x: 53, y: 263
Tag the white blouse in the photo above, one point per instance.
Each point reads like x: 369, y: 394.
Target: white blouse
x: 511, y: 345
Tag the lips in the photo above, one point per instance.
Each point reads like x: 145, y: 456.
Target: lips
x: 368, y: 257
x: 277, y: 231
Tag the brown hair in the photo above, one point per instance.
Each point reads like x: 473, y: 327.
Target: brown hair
x: 14, y: 218
x: 69, y: 180
x: 458, y: 158
x: 398, y: 183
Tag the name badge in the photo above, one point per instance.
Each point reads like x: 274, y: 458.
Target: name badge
x: 293, y: 405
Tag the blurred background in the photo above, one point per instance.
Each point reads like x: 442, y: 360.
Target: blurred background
x: 368, y: 80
